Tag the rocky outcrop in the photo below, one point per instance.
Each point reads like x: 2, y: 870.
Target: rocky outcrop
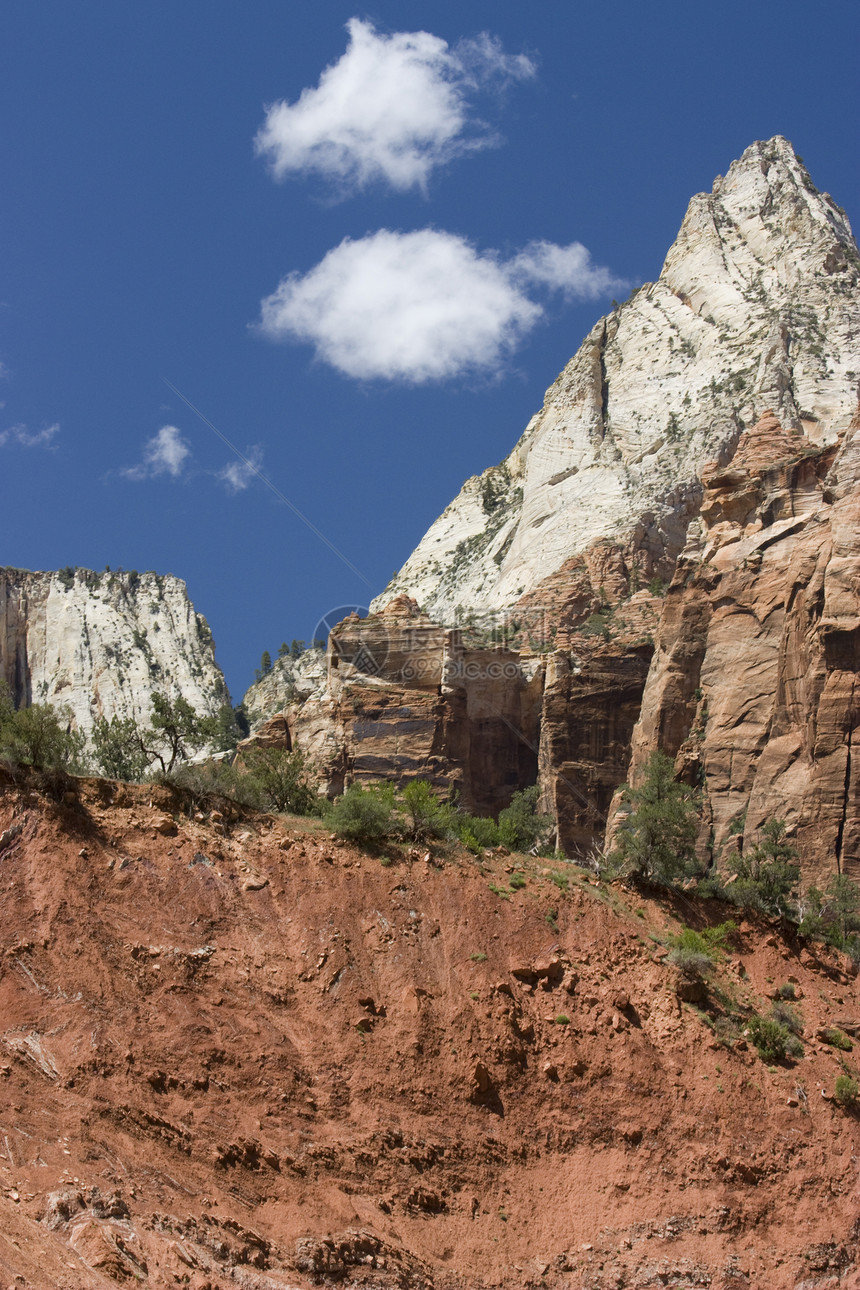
x: 754, y: 684
x: 756, y: 306
x: 100, y: 643
x: 289, y: 680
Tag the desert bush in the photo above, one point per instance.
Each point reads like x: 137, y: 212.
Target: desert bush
x: 364, y: 814
x: 521, y: 828
x: 786, y: 1016
x: 426, y: 816
x: 696, y: 953
x: 477, y: 832
x: 769, y: 1038
x: 657, y: 840
x: 836, y: 1038
x: 117, y: 748
x: 213, y: 777
x: 834, y: 914
x: 846, y: 1090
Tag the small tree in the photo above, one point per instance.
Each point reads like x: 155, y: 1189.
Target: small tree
x: 426, y: 816
x: 279, y: 779
x: 175, y: 725
x: 657, y: 840
x: 520, y: 826
x: 40, y: 735
x: 767, y: 874
x: 118, y: 748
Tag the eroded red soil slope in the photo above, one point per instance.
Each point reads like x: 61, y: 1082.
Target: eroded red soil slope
x: 238, y: 1053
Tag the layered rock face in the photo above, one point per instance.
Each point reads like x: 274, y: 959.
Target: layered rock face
x: 99, y: 644
x: 754, y: 684
x: 404, y: 698
x: 756, y: 306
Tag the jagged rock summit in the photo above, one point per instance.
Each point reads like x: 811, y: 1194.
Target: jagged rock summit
x: 756, y: 307
x: 100, y: 643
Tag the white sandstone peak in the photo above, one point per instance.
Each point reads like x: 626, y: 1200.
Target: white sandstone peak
x: 756, y: 307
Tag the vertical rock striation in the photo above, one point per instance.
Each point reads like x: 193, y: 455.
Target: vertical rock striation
x: 754, y: 684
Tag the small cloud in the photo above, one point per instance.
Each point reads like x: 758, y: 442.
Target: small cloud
x: 568, y: 269
x: 237, y: 475
x: 21, y: 437
x: 392, y: 109
x: 423, y: 306
x: 164, y: 454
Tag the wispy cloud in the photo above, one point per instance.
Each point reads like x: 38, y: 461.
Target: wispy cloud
x: 164, y: 454
x: 237, y: 475
x: 391, y: 109
x: 424, y: 306
x: 21, y: 437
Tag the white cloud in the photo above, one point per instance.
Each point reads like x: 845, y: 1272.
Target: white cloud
x: 392, y: 108
x: 568, y: 269
x: 422, y: 306
x: 164, y: 454
x: 24, y: 438
x: 237, y: 475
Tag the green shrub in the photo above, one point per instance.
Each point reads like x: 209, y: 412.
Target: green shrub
x: 846, y: 1090
x: 786, y: 1016
x: 477, y: 832
x: 793, y: 1047
x: 657, y: 840
x: 518, y: 881
x: 769, y: 1038
x: 562, y: 1019
x: 118, y: 749
x: 426, y: 816
x: 211, y: 778
x: 834, y: 914
x: 364, y: 814
x: 697, y: 953
x: 836, y: 1038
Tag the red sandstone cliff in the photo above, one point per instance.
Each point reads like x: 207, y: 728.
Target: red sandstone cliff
x: 753, y: 686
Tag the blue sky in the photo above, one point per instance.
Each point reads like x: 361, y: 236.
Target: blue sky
x: 435, y: 226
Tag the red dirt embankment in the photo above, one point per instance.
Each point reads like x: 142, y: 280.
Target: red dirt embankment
x: 240, y: 1053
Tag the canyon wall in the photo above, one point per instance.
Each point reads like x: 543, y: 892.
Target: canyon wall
x: 100, y: 643
x: 541, y: 586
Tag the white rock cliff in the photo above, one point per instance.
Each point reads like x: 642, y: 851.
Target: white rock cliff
x: 756, y: 307
x: 100, y: 643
